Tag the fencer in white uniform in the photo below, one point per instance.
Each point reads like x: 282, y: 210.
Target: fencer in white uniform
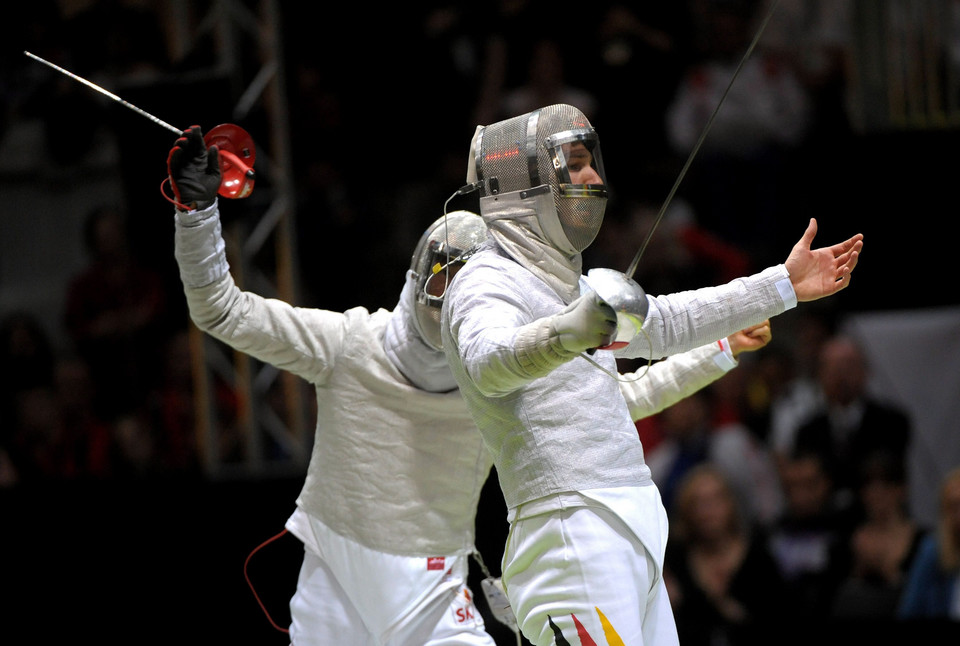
x: 387, y: 511
x: 588, y: 530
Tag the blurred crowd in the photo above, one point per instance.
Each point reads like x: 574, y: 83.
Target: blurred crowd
x: 785, y: 481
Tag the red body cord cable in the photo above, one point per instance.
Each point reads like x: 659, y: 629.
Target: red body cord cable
x: 249, y: 583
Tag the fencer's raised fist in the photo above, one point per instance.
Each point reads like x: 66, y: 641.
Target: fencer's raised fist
x: 194, y: 170
x: 816, y: 273
x: 586, y: 323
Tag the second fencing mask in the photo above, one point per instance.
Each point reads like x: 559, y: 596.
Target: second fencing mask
x: 442, y: 250
x: 550, y: 156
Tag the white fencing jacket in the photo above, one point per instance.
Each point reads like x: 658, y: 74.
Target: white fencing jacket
x: 394, y: 468
x: 571, y: 430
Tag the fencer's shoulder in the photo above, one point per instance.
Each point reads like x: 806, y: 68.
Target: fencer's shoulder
x: 354, y: 321
x: 360, y: 315
x: 490, y: 269
x: 490, y: 260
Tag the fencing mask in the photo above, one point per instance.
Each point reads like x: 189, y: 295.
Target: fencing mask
x: 549, y: 158
x: 443, y: 249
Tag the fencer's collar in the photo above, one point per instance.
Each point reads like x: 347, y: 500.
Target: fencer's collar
x: 424, y: 367
x: 518, y: 227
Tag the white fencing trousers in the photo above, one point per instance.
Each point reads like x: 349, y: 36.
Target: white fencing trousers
x: 578, y: 572
x: 323, y: 612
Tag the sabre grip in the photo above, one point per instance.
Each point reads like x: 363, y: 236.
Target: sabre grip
x: 194, y: 170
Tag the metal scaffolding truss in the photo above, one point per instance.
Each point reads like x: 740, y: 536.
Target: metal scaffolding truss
x: 251, y: 419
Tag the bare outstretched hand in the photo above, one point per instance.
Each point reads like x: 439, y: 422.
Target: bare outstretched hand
x: 817, y: 273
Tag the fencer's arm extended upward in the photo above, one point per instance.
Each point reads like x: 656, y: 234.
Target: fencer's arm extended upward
x: 301, y: 341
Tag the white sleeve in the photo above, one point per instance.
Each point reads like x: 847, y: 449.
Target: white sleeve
x: 499, y: 342
x: 302, y: 341
x: 685, y: 320
x: 649, y: 391
x: 199, y: 247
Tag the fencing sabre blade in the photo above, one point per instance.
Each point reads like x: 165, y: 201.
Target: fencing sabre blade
x: 703, y: 135
x: 234, y: 144
x: 619, y: 290
x: 106, y: 93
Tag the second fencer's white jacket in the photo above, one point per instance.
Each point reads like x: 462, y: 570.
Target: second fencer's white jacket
x: 571, y: 430
x: 395, y: 468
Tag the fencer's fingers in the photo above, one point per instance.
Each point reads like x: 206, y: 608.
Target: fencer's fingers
x: 213, y: 159
x: 194, y: 137
x: 845, y: 247
x: 843, y: 280
x: 173, y: 159
x: 763, y: 333
x: 848, y: 262
x: 750, y: 331
x: 807, y: 239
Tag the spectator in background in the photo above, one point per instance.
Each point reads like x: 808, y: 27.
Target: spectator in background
x: 135, y: 448
x: 643, y: 46
x: 114, y: 314
x: 172, y: 409
x: 39, y: 450
x: 56, y: 434
x: 86, y: 434
x: 9, y: 476
x: 506, y: 51
x: 853, y: 426
x: 809, y: 541
x: 27, y: 358
x: 882, y: 546
x: 932, y: 589
x: 691, y: 438
x: 723, y: 582
x: 547, y: 83
x: 737, y: 186
x: 685, y: 445
x: 740, y: 448
x: 791, y: 381
x: 680, y: 255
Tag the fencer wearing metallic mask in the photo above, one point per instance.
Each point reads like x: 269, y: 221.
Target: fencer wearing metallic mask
x: 525, y: 335
x: 387, y: 511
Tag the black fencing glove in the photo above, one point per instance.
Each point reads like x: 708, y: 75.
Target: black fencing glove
x: 194, y: 170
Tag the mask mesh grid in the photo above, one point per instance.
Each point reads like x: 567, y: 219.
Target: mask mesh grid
x: 580, y: 217
x: 504, y: 155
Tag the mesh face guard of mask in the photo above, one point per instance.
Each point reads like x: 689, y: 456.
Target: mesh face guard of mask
x: 443, y: 249
x: 554, y: 148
